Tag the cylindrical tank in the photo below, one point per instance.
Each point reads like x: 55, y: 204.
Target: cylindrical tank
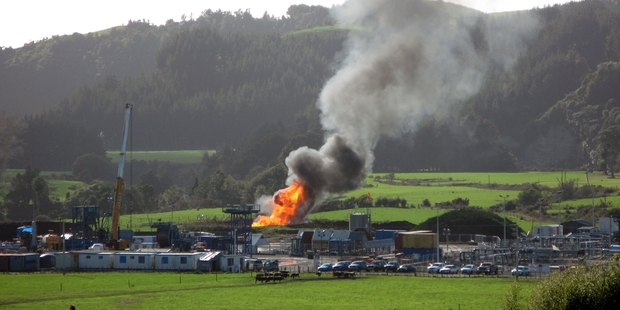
x: 359, y: 220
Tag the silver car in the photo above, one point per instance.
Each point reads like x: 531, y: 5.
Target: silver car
x: 434, y: 268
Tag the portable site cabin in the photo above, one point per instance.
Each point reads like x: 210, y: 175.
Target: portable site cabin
x: 24, y: 262
x: 177, y: 261
x: 134, y: 261
x: 66, y: 260
x: 47, y: 261
x: 91, y: 260
x: 232, y: 263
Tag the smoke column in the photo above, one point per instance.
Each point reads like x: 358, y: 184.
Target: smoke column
x: 404, y: 60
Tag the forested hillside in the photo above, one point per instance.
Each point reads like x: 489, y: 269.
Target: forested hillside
x: 248, y: 87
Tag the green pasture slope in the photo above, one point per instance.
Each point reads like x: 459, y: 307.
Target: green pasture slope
x: 482, y: 190
x: 57, y: 181
x: 445, y: 186
x: 167, y: 290
x: 179, y: 157
x: 141, y: 222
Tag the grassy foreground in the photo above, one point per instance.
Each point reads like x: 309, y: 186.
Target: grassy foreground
x: 144, y: 290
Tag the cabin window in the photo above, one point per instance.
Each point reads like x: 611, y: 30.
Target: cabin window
x: 87, y: 256
x: 164, y: 260
x: 183, y: 260
x: 141, y: 260
x: 230, y: 261
x: 123, y: 259
x: 131, y: 257
x: 100, y: 256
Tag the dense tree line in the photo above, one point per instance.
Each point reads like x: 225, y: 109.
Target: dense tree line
x: 247, y: 87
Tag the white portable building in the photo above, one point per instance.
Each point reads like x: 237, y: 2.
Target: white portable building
x: 134, y: 261
x: 88, y: 260
x: 232, y: 263
x: 177, y: 261
x: 66, y: 260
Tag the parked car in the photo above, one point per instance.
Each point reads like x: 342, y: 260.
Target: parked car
x: 253, y: 264
x: 469, y: 269
x: 487, y: 268
x: 406, y: 268
x: 376, y: 265
x: 521, y: 271
x: 343, y: 265
x: 391, y: 266
x: 325, y: 267
x: 449, y: 269
x: 434, y: 268
x: 358, y: 265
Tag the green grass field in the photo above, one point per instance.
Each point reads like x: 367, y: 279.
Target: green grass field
x: 179, y: 157
x: 146, y: 290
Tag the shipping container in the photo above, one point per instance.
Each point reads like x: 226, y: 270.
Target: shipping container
x: 386, y: 234
x: 416, y: 239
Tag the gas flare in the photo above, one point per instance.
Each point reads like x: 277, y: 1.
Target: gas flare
x: 286, y: 205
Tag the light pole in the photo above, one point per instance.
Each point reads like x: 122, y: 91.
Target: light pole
x: 437, y: 207
x: 560, y: 207
x: 592, y: 189
x: 446, y: 232
x: 504, y: 240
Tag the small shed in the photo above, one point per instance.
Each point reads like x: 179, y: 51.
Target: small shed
x: 209, y: 261
x: 232, y: 263
x: 177, y: 261
x: 92, y: 260
x: 134, y: 261
x: 572, y: 227
x: 258, y: 240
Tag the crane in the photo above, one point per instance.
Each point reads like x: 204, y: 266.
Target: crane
x: 114, y: 241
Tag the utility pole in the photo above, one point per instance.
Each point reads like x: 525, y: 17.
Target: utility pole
x: 504, y: 240
x: 592, y: 189
x: 540, y: 202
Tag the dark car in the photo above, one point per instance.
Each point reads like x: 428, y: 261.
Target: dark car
x: 391, y: 266
x: 325, y: 267
x: 487, y: 268
x: 406, y: 268
x: 343, y: 265
x: 376, y: 265
x: 358, y: 265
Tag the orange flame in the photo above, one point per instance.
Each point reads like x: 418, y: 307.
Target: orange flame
x: 286, y: 205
